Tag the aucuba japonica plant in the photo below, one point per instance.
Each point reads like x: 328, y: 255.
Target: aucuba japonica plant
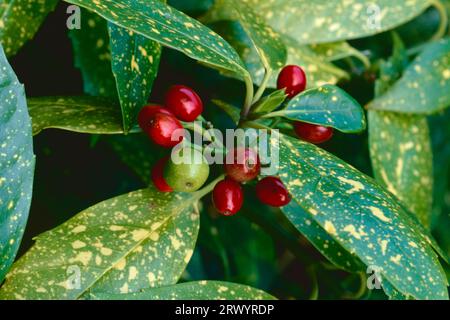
x: 352, y: 106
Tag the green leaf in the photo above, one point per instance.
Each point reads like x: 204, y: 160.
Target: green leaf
x: 135, y: 241
x: 20, y: 20
x: 363, y: 218
x: 161, y: 23
x: 135, y: 64
x: 319, y: 70
x: 321, y: 240
x: 440, y: 135
x: 391, y: 292
x: 266, y: 41
x: 322, y: 21
x: 270, y: 102
x: 339, y: 50
x: 93, y: 55
x: 82, y: 114
x: 195, y: 290
x: 402, y: 161
x: 327, y: 105
x: 16, y: 164
x: 400, y: 145
x: 424, y: 88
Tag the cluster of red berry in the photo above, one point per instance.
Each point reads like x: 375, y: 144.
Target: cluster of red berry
x: 241, y: 164
x: 160, y: 123
x: 228, y: 195
x: 182, y: 103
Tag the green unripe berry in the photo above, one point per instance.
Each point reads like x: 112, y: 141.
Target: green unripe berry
x: 189, y: 175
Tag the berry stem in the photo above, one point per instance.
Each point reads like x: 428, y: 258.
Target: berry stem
x: 262, y: 88
x: 207, y: 189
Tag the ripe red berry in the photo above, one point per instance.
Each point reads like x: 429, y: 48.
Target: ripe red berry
x: 146, y: 114
x: 313, y: 133
x: 228, y: 197
x: 271, y: 191
x: 158, y: 178
x: 293, y: 79
x: 161, y: 129
x: 242, y: 164
x: 184, y: 103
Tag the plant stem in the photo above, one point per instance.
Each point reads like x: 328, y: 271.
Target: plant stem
x: 315, y: 284
x: 443, y: 21
x: 263, y: 86
x: 361, y: 290
x: 248, y: 97
x: 361, y: 56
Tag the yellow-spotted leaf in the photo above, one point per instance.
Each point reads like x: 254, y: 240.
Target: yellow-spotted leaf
x: 20, y: 20
x: 402, y: 160
x: 400, y: 145
x: 16, y: 164
x: 319, y: 70
x: 424, y: 87
x: 339, y: 50
x: 362, y: 217
x: 132, y: 242
x: 321, y: 240
x: 82, y: 114
x: 320, y: 21
x: 327, y: 105
x: 135, y: 64
x: 267, y: 42
x: 92, y: 55
x: 196, y: 290
x: 170, y: 27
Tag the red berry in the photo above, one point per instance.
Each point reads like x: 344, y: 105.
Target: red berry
x: 228, y: 197
x: 271, y: 191
x: 184, y: 103
x: 158, y: 178
x: 146, y: 114
x: 293, y: 79
x: 161, y: 129
x: 242, y: 164
x: 313, y: 133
